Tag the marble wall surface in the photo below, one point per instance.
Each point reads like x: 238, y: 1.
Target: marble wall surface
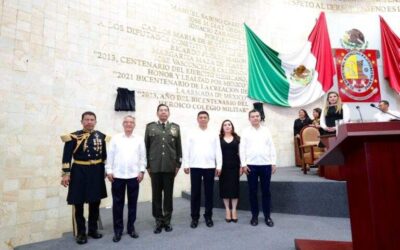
x: 60, y: 58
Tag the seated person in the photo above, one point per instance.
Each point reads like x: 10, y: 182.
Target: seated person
x: 316, y: 122
x: 301, y: 122
x: 385, y: 114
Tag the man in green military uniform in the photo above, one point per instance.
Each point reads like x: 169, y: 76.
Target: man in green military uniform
x: 85, y: 176
x: 164, y: 157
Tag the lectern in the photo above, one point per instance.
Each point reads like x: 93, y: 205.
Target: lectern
x: 369, y: 153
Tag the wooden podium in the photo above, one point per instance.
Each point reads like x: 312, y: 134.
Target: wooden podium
x: 332, y: 172
x: 370, y: 156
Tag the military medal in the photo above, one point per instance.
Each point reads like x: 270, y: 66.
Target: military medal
x: 174, y: 132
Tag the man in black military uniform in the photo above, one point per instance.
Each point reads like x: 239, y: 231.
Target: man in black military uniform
x: 164, y: 157
x: 85, y: 176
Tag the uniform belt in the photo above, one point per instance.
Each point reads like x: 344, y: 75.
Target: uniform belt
x: 89, y: 162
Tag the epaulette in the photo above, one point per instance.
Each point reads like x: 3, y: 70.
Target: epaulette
x: 172, y: 123
x: 108, y: 138
x: 69, y: 137
x: 66, y: 138
x: 151, y: 123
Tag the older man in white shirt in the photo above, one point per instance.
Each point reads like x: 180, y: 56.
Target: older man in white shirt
x: 258, y: 157
x: 202, y: 158
x: 386, y: 114
x: 126, y: 163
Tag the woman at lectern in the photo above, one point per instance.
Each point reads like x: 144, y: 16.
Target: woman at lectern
x: 333, y: 110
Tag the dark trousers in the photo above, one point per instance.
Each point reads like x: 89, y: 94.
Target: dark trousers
x: 162, y: 183
x: 93, y: 217
x: 264, y: 174
x: 118, y: 188
x: 197, y: 175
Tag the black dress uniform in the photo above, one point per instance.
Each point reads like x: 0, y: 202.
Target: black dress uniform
x: 164, y: 155
x: 87, y: 185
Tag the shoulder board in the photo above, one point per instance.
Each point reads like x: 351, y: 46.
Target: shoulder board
x: 108, y: 138
x: 174, y: 124
x: 151, y: 123
x: 66, y: 138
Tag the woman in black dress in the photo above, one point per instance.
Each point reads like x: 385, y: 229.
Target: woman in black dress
x: 231, y: 171
x: 301, y: 122
x: 333, y: 110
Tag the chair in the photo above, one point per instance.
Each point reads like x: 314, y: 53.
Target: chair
x: 309, y: 140
x: 297, y: 152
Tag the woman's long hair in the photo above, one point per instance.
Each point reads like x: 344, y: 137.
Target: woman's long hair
x: 318, y: 110
x: 305, y: 114
x: 222, y: 133
x: 338, y: 103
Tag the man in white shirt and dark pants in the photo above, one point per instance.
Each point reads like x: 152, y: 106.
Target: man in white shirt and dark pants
x: 125, y: 168
x: 202, y: 158
x: 386, y: 114
x: 258, y: 156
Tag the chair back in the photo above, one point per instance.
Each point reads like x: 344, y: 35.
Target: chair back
x: 309, y: 135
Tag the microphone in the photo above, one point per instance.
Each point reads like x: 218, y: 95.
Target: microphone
x: 374, y: 106
x: 359, y: 112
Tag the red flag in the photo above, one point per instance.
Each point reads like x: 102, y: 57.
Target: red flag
x: 391, y: 55
x: 321, y: 49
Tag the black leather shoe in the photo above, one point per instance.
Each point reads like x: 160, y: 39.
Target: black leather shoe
x: 209, y: 223
x: 95, y: 235
x: 134, y: 235
x: 194, y: 223
x: 81, y: 239
x: 117, y: 237
x: 168, y: 228
x: 254, y: 221
x: 158, y: 228
x: 228, y: 220
x: 269, y: 222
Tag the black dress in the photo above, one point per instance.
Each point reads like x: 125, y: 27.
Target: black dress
x: 299, y: 124
x: 331, y: 117
x: 229, y: 179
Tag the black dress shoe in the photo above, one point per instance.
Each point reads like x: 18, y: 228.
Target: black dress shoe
x: 95, y: 235
x: 81, y: 239
x: 228, y: 220
x: 254, y: 221
x: 117, y: 237
x: 194, y: 223
x: 269, y: 222
x: 134, y: 235
x: 158, y: 228
x: 209, y: 223
x: 168, y: 228
x: 234, y: 220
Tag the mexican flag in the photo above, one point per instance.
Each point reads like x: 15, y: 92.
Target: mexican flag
x: 295, y: 79
x: 391, y: 55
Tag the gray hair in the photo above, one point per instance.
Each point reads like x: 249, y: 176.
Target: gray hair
x: 129, y: 116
